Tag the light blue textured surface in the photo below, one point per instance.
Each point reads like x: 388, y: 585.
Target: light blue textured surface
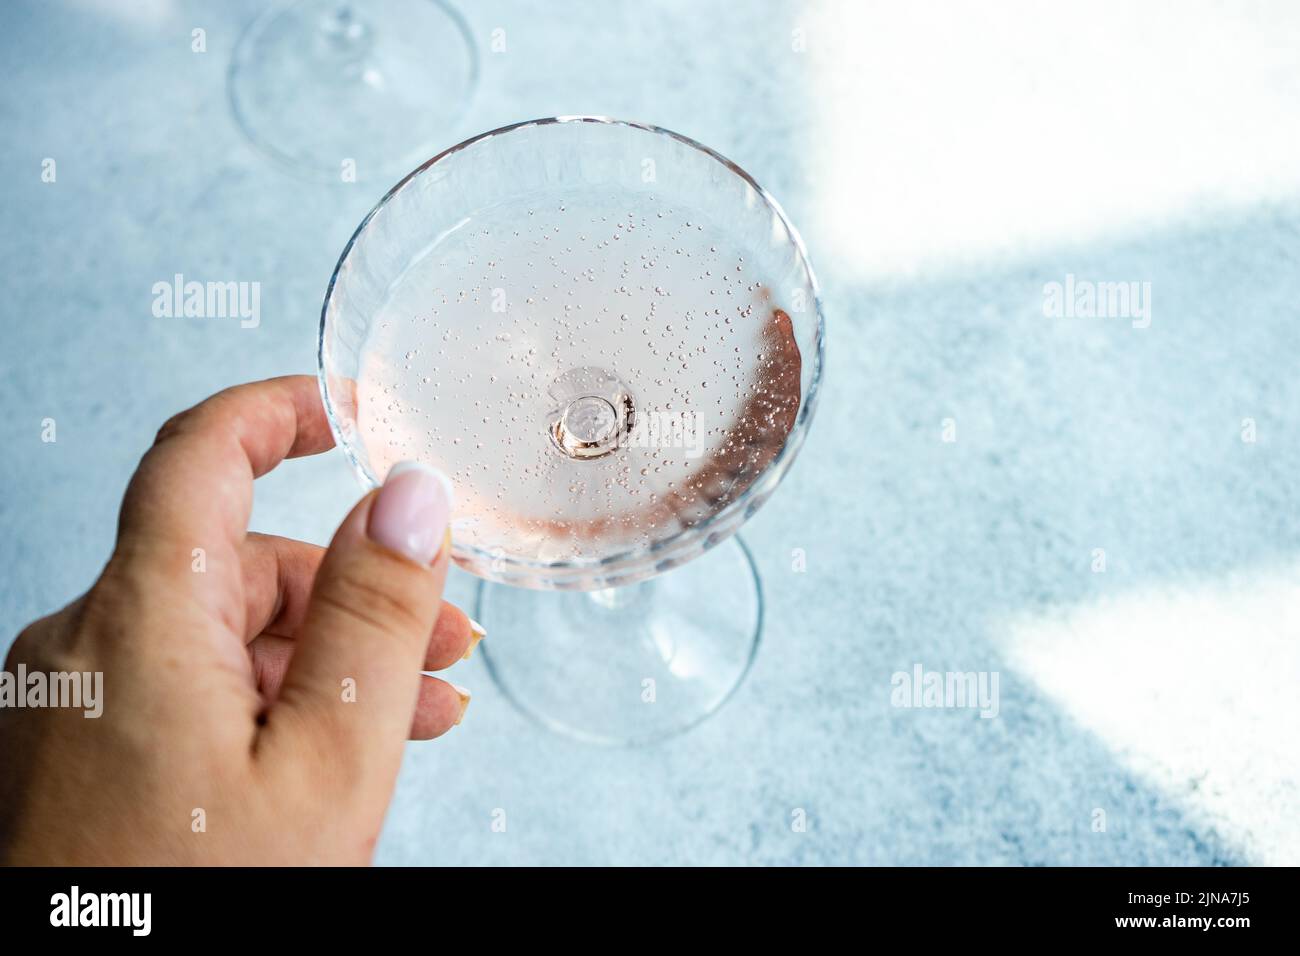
x: 970, y: 555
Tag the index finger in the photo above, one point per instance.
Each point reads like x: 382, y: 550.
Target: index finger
x: 194, y: 487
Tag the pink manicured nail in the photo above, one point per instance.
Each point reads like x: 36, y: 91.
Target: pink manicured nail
x: 410, y: 515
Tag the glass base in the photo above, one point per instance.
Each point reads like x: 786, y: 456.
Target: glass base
x: 632, y: 665
x: 346, y: 92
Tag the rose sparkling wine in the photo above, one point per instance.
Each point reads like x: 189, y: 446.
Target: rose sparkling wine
x: 594, y: 374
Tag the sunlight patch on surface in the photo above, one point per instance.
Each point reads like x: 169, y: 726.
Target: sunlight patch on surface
x: 1193, y: 688
x: 947, y: 133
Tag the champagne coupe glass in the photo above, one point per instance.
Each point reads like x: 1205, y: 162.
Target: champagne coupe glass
x: 609, y: 336
x: 341, y: 90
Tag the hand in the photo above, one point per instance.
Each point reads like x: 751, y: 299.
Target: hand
x: 257, y: 692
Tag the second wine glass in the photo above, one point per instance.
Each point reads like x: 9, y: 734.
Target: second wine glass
x: 361, y: 90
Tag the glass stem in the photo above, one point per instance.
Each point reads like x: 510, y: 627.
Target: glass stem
x: 345, y: 35
x: 618, y: 599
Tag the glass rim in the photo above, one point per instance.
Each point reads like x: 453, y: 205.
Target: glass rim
x: 556, y: 574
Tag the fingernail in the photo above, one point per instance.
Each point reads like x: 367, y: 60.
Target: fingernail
x: 476, y: 634
x: 464, y: 702
x: 413, y: 510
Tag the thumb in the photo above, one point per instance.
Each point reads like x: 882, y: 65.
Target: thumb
x: 352, y: 685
